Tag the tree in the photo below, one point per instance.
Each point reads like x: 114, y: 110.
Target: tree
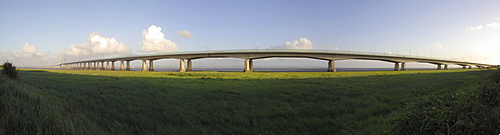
x: 10, y: 70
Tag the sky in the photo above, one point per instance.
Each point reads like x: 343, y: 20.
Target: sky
x: 41, y: 33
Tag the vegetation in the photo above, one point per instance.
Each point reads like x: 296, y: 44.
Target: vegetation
x: 124, y: 102
x: 9, y: 70
x: 468, y: 110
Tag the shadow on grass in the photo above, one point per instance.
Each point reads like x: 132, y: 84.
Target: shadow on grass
x: 211, y: 104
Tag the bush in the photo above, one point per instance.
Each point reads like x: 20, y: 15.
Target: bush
x: 10, y: 70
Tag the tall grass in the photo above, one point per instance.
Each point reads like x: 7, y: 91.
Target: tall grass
x: 119, y: 102
x: 468, y: 110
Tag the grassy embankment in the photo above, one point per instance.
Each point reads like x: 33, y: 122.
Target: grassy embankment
x: 121, y: 102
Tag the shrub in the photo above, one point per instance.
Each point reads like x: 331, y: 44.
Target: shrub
x: 9, y: 70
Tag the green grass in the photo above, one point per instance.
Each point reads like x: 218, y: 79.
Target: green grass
x: 121, y: 102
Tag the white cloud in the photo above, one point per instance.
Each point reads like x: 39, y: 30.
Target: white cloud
x: 385, y: 51
x: 438, y: 45
x: 303, y: 43
x: 154, y: 41
x: 97, y: 45
x: 185, y: 33
x: 27, y: 48
x: 28, y: 57
x: 493, y: 25
x: 474, y: 29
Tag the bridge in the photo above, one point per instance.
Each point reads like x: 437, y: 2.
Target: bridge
x: 249, y: 55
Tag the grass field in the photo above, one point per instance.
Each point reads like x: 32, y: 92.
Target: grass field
x: 121, y: 102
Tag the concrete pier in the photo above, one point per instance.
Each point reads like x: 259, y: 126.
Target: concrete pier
x: 128, y: 65
x: 463, y: 67
x: 122, y: 65
x: 331, y: 66
x: 248, y: 66
x: 439, y: 67
x: 102, y: 66
x: 144, y: 68
x: 396, y: 66
x: 251, y: 64
x: 470, y: 67
x: 189, y: 66
x: 403, y: 66
x: 445, y: 66
x: 182, y: 66
x: 95, y: 65
x: 112, y: 65
x: 107, y: 65
x: 151, y: 67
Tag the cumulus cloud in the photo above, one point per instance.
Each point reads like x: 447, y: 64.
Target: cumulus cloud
x: 438, y: 45
x: 154, y: 41
x: 302, y: 43
x: 493, y: 25
x: 185, y: 33
x: 474, y: 29
x: 97, y: 45
x: 27, y: 48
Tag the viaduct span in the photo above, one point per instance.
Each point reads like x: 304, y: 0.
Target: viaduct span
x: 252, y: 54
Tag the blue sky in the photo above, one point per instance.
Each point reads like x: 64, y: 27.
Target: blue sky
x: 37, y: 33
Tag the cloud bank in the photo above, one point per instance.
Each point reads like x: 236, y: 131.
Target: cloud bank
x: 302, y: 43
x: 29, y: 56
x: 154, y: 41
x: 185, y: 33
x: 97, y: 45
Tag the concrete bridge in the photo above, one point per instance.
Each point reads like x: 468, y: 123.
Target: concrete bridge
x: 252, y: 54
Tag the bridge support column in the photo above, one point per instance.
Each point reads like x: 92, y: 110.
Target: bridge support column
x: 122, y: 65
x: 331, y: 66
x: 439, y: 67
x: 151, y: 67
x: 403, y: 66
x: 470, y: 67
x: 112, y: 65
x: 251, y: 64
x: 107, y: 65
x: 189, y: 66
x: 396, y: 66
x: 95, y: 65
x: 463, y: 67
x: 445, y: 66
x: 182, y: 66
x: 248, y: 65
x: 128, y: 65
x: 102, y: 65
x: 144, y: 68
